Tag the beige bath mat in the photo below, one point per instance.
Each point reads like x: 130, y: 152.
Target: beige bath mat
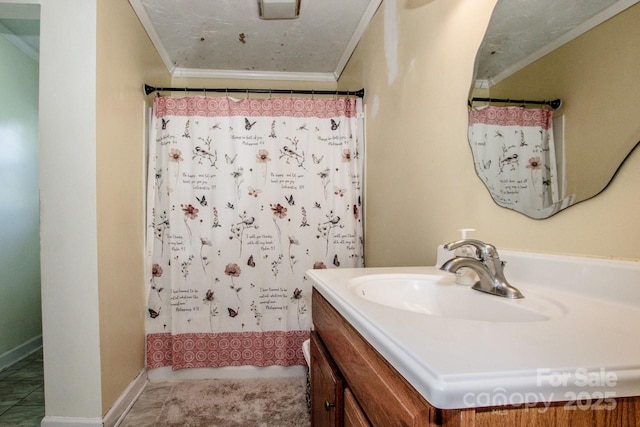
x: 228, y: 403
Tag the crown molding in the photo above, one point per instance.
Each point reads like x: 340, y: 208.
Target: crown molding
x: 254, y: 75
x: 482, y: 84
x: 367, y: 16
x: 153, y: 35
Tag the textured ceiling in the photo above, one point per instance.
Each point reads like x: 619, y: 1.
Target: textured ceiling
x: 522, y: 31
x: 226, y: 37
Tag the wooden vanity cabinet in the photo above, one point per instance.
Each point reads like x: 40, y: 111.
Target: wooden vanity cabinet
x: 369, y: 391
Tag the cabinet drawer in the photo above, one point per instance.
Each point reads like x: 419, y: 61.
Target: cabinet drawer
x: 384, y: 395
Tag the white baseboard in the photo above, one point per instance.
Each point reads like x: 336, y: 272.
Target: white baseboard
x: 227, y: 372
x: 18, y: 353
x: 70, y: 422
x: 113, y: 417
x: 118, y: 411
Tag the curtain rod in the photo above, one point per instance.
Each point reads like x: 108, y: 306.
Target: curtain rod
x: 555, y: 104
x: 150, y: 89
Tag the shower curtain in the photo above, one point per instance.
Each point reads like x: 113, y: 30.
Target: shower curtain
x: 243, y: 197
x: 514, y: 155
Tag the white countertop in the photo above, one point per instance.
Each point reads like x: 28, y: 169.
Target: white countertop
x: 587, y: 355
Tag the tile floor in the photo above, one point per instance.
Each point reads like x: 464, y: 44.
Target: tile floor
x: 22, y: 396
x: 22, y: 392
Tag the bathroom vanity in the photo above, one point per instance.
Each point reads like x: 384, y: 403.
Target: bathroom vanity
x: 566, y: 354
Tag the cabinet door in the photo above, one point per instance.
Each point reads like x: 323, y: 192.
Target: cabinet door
x: 326, y: 387
x: 353, y: 415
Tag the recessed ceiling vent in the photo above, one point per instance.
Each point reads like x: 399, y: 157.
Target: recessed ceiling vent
x: 279, y: 9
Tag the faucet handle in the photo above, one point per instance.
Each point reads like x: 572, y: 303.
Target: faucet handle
x: 484, y: 250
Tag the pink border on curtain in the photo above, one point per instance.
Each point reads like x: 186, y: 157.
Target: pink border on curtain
x: 511, y: 116
x: 277, y: 107
x: 204, y: 350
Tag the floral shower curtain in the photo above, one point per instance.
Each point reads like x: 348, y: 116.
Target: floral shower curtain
x: 243, y: 197
x: 514, y: 155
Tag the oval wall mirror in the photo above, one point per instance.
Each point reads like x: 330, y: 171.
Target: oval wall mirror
x: 584, y: 52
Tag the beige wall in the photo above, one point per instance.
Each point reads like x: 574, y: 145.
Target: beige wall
x: 596, y: 77
x: 125, y: 60
x: 421, y: 186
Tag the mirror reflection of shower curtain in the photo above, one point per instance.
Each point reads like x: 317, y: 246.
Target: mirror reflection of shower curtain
x: 244, y: 196
x: 514, y: 155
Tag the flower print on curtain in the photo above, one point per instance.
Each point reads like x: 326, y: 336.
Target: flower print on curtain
x: 514, y: 155
x: 245, y: 196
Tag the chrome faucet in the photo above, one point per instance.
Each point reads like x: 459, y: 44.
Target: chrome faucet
x: 487, y: 265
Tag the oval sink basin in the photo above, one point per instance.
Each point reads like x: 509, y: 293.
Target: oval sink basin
x: 439, y: 295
